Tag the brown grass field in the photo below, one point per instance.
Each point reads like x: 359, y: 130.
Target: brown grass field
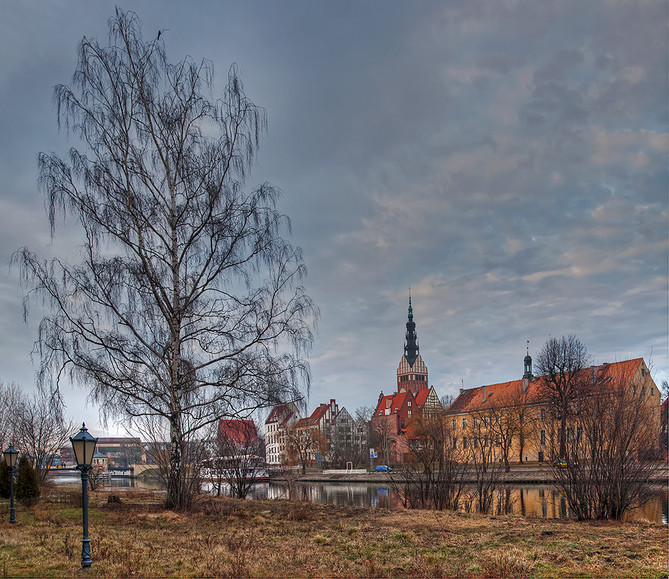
x: 232, y: 538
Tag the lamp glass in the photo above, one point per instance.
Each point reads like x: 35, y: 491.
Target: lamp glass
x: 11, y: 456
x: 83, y: 445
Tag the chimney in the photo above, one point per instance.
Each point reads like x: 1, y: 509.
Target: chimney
x: 461, y: 391
x: 483, y: 390
x: 526, y: 384
x: 593, y: 374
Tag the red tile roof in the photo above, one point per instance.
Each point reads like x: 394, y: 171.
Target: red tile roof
x: 240, y: 431
x: 472, y: 399
x: 280, y: 413
x: 319, y: 412
x: 421, y: 396
x: 392, y: 401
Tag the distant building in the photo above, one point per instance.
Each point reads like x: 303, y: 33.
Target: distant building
x: 122, y: 451
x: 517, y: 419
x: 242, y: 432
x: 279, y: 419
x: 394, y: 412
x: 100, y: 462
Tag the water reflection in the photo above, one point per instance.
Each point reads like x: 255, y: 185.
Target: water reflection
x: 541, y: 501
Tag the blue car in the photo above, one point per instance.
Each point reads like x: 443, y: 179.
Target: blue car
x: 383, y: 468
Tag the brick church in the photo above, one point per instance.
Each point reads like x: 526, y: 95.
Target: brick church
x: 394, y: 412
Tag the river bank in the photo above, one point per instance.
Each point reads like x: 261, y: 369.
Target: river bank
x: 228, y: 537
x: 535, y: 473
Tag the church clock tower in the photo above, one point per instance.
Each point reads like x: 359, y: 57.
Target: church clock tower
x: 412, y: 371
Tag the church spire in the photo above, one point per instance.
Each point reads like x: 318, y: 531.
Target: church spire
x: 527, y: 363
x: 411, y: 339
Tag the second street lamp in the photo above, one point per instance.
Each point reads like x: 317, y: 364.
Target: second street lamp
x: 83, y: 445
x: 11, y: 455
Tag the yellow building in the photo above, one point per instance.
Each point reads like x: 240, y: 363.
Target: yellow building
x: 517, y: 422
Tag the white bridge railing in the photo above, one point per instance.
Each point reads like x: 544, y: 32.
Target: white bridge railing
x: 346, y: 471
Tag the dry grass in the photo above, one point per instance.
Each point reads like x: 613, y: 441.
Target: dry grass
x: 231, y: 538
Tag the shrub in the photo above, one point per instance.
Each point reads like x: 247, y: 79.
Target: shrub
x: 26, y: 489
x: 4, y: 480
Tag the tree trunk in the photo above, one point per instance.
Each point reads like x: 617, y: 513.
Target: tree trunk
x: 563, y: 431
x: 175, y: 488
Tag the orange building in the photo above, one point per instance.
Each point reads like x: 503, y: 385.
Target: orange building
x: 516, y: 421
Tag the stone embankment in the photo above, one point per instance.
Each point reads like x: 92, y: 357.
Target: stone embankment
x: 519, y: 474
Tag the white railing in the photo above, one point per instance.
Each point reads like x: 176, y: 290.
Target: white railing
x: 346, y: 471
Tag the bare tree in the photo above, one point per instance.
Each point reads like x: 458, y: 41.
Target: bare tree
x: 446, y: 400
x: 40, y: 430
x: 187, y: 306
x: 485, y: 458
x: 237, y: 456
x: 10, y: 397
x: 511, y: 421
x: 303, y: 443
x: 433, y: 477
x: 560, y: 362
x: 156, y: 432
x: 611, y: 448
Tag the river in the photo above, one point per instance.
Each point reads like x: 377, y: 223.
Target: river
x: 541, y: 501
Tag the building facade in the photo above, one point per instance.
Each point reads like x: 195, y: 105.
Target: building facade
x: 516, y: 421
x: 276, y: 446
x: 413, y: 396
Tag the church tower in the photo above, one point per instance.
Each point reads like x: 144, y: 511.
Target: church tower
x: 412, y: 371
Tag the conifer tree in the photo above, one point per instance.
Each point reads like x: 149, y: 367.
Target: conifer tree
x: 26, y: 489
x: 4, y: 480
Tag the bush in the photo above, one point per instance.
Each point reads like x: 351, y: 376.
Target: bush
x: 4, y: 480
x: 26, y: 489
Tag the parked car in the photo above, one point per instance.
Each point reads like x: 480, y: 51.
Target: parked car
x: 383, y: 468
x: 564, y: 463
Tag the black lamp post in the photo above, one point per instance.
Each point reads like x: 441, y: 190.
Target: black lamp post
x: 11, y: 456
x: 84, y: 449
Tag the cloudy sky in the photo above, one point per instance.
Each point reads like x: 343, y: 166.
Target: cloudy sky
x: 507, y: 160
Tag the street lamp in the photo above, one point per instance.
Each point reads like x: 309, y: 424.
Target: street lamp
x: 84, y: 449
x: 11, y: 456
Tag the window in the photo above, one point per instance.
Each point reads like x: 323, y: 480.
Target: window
x: 543, y: 437
x: 509, y: 440
x: 475, y: 441
x: 464, y: 442
x: 579, y: 434
x: 464, y: 423
x: 409, y: 403
x: 409, y: 414
x: 485, y: 440
x: 475, y: 421
x: 455, y: 443
x: 453, y: 424
x: 485, y: 421
x: 543, y: 415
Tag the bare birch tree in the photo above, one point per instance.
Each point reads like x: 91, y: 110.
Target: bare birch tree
x: 188, y: 304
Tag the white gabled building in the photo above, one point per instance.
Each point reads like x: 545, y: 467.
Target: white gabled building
x: 279, y: 418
